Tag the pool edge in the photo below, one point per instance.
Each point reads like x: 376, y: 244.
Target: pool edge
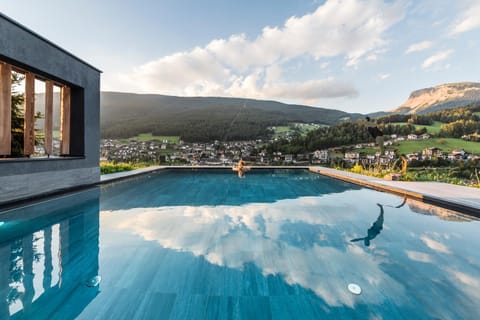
x: 379, y: 185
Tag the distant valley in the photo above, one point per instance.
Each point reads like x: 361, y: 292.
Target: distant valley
x: 194, y: 119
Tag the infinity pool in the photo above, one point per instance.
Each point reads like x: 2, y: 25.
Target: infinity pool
x: 205, y: 244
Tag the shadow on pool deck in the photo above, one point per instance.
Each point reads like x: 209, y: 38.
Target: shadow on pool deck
x: 463, y: 199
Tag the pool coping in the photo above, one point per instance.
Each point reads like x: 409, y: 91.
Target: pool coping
x: 449, y: 196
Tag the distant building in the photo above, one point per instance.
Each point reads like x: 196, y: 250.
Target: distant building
x: 321, y: 155
x: 471, y: 137
x: 412, y: 137
x: 352, y: 156
x: 425, y: 136
x: 413, y: 156
x: 457, y: 155
x: 430, y: 153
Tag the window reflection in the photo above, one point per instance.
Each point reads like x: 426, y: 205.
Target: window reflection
x: 45, y: 267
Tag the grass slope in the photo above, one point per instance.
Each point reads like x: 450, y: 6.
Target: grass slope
x: 444, y: 144
x: 433, y: 129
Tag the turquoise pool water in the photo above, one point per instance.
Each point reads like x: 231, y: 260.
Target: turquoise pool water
x: 278, y: 244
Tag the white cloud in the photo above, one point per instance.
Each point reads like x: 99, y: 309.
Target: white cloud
x: 238, y: 66
x: 468, y: 19
x: 436, y: 58
x: 419, y: 46
x: 384, y: 76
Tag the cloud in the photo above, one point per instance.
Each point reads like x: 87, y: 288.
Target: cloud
x: 419, y: 46
x: 436, y: 58
x: 468, y: 19
x: 384, y: 76
x: 239, y: 66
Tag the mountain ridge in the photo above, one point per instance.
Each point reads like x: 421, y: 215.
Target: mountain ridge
x: 440, y: 97
x: 203, y: 118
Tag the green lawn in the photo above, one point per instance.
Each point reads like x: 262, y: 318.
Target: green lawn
x: 282, y: 131
x: 444, y: 144
x: 150, y: 137
x: 433, y: 129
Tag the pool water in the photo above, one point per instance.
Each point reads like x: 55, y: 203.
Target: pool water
x: 205, y: 244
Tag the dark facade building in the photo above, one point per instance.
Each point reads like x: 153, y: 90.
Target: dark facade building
x: 69, y: 137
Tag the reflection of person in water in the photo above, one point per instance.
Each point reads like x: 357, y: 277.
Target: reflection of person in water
x: 374, y: 230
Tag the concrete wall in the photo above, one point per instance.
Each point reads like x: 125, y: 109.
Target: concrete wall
x: 24, y: 178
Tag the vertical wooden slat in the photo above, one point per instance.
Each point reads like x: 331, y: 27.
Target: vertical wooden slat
x: 5, y: 109
x: 48, y: 117
x: 29, y: 124
x: 65, y: 121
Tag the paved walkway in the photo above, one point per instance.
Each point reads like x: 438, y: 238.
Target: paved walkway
x: 464, y: 199
x: 104, y: 178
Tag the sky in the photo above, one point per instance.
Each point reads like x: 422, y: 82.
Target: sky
x: 350, y: 55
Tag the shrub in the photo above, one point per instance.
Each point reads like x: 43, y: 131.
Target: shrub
x: 111, y: 167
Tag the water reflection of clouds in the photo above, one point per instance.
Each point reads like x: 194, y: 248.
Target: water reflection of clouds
x: 233, y: 236
x: 435, y: 245
x: 419, y: 256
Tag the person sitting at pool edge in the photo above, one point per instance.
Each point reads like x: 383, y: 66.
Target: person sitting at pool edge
x: 241, y: 163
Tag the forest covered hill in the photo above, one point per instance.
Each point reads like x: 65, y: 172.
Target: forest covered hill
x: 125, y: 115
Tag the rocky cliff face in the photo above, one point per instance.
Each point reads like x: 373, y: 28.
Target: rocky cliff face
x: 444, y: 96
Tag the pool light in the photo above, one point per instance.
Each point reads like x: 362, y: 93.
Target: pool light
x: 354, y: 288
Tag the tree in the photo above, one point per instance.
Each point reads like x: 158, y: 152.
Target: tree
x: 18, y: 116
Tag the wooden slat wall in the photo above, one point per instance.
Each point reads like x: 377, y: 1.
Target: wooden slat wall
x: 65, y: 121
x: 29, y: 124
x: 49, y: 117
x: 5, y: 109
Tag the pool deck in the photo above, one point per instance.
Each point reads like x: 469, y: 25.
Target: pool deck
x: 450, y: 196
x: 463, y: 199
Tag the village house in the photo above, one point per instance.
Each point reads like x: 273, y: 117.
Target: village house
x: 352, y: 157
x: 430, y: 153
x: 457, y: 155
x: 321, y: 155
x: 412, y: 137
x: 413, y: 156
x: 471, y: 137
x: 288, y: 158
